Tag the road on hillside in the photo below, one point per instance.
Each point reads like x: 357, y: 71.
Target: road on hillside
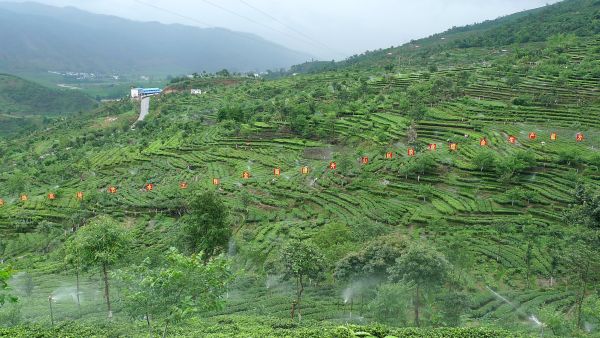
x: 144, y: 108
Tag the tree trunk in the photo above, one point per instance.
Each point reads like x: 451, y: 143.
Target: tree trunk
x: 417, y: 323
x: 165, y: 330
x: 78, y: 302
x: 149, y: 326
x: 106, y: 290
x: 580, y: 303
x: 298, y: 299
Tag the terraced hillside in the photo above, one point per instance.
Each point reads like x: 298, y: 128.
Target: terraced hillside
x: 500, y: 212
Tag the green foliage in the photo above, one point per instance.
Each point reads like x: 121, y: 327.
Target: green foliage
x: 102, y: 242
x: 180, y: 288
x: 484, y: 159
x: 587, y: 211
x: 205, y: 227
x: 584, y: 269
x: 391, y: 303
x: 5, y: 273
x: 422, y: 267
x: 334, y: 240
x: 371, y: 261
x: 300, y: 261
x: 248, y: 326
x: 509, y: 166
x: 19, y: 96
x: 553, y: 23
x: 500, y: 224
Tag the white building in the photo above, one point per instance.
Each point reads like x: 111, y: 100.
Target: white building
x: 141, y: 92
x: 196, y: 91
x: 135, y: 93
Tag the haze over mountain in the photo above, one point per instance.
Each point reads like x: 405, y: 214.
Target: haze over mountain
x: 37, y: 37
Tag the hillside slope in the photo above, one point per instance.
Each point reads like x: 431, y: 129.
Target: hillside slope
x: 559, y: 22
x: 488, y: 155
x: 21, y: 97
x: 36, y: 37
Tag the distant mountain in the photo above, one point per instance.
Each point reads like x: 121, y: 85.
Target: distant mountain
x: 37, y: 37
x: 580, y: 18
x: 21, y: 97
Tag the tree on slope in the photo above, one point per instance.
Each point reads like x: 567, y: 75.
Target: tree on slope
x: 5, y: 273
x: 176, y: 289
x: 102, y: 242
x: 422, y: 267
x: 73, y: 258
x: 205, y: 228
x: 484, y: 159
x: 301, y: 261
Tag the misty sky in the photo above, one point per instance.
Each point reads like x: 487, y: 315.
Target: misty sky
x: 327, y: 29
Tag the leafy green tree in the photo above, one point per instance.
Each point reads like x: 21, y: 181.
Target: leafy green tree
x: 425, y: 191
x: 223, y: 73
x: 411, y: 133
x: 333, y: 238
x: 175, y: 290
x: 5, y: 273
x: 555, y: 321
x: 373, y: 260
x: 425, y: 163
x: 514, y: 194
x: 28, y: 284
x: 453, y: 305
x: 391, y: 303
x: 570, y: 157
x: 205, y: 227
x: 102, y: 242
x: 300, y: 261
x: 583, y: 266
x: 484, y: 159
x: 423, y: 267
x: 73, y: 259
x: 591, y: 309
x: 50, y: 231
x: 509, y: 166
x: 587, y: 210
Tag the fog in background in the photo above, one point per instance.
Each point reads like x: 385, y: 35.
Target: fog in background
x: 327, y: 29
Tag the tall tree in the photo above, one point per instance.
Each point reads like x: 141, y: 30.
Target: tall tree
x: 175, y: 290
x: 73, y: 259
x: 5, y: 273
x: 583, y: 265
x: 102, y: 242
x: 484, y: 159
x: 205, y: 227
x: 390, y: 304
x: 300, y: 261
x: 423, y: 267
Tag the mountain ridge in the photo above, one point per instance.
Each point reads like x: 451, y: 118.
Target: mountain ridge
x: 35, y: 34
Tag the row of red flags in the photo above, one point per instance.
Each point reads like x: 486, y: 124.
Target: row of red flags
x: 305, y: 170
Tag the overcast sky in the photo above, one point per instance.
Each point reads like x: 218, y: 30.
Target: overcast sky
x: 327, y: 29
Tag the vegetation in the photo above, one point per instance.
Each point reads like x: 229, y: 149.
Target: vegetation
x: 400, y: 238
x: 205, y: 228
x: 21, y: 97
x: 102, y: 242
